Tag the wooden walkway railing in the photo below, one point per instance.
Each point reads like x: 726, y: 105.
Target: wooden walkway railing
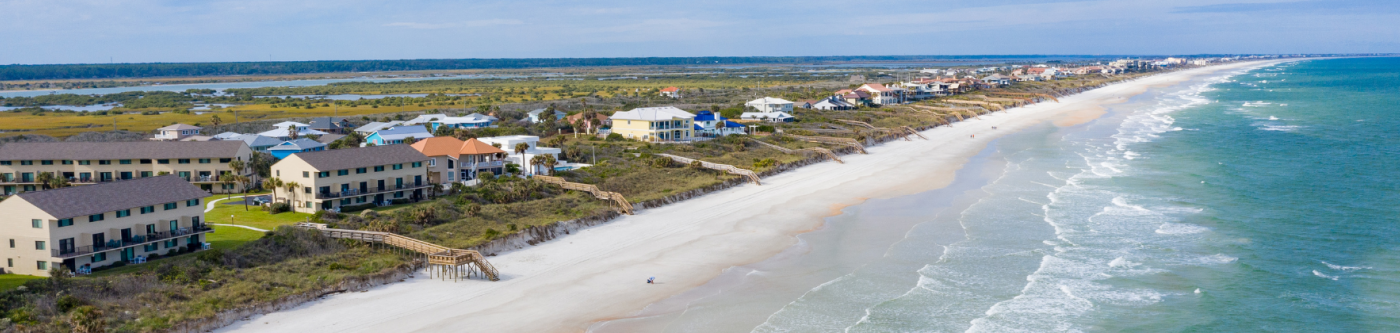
x: 1024, y: 95
x: 903, y: 131
x: 988, y: 106
x: 614, y: 197
x: 818, y: 150
x: 836, y: 141
x: 443, y: 261
x: 716, y: 166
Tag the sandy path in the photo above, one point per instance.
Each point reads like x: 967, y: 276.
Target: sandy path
x: 599, y: 273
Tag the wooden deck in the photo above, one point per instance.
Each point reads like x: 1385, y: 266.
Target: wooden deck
x: 442, y: 261
x: 614, y: 197
x: 818, y: 150
x: 746, y: 173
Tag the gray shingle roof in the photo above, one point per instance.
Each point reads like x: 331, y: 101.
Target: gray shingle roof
x: 336, y: 159
x: 87, y: 200
x: 119, y: 150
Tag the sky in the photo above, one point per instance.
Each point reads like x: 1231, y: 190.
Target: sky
x: 101, y: 31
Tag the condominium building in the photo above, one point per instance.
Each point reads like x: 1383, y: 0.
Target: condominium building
x: 654, y: 124
x: 451, y: 160
x: 86, y: 163
x: 84, y: 227
x: 331, y: 179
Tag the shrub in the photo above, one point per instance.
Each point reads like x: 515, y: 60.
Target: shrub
x: 68, y: 302
x: 278, y: 207
x: 615, y: 137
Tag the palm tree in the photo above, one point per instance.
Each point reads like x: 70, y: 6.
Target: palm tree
x: 292, y: 131
x: 549, y: 163
x: 243, y: 188
x: 536, y: 161
x: 44, y: 179
x: 59, y: 182
x: 271, y: 184
x: 520, y: 148
x: 227, y: 178
x: 291, y: 191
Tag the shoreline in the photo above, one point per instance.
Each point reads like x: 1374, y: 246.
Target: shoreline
x: 597, y: 275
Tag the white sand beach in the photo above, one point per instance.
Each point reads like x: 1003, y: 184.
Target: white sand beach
x: 599, y: 273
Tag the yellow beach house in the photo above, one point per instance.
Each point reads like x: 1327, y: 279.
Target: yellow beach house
x: 655, y: 124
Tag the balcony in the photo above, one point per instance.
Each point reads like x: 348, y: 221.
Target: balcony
x: 372, y: 190
x: 205, y: 179
x: 482, y: 165
x: 136, y: 240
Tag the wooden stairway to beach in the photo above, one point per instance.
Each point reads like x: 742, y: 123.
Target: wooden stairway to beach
x: 818, y: 150
x: 443, y: 261
x: 830, y: 140
x: 623, y: 205
x: 904, y: 130
x: 716, y: 166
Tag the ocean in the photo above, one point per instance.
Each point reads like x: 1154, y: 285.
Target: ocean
x: 1262, y: 199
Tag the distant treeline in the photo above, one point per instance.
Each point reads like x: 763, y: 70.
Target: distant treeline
x: 111, y: 71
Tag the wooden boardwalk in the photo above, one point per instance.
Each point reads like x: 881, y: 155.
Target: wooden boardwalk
x: 746, y: 173
x: 818, y: 150
x: 614, y: 197
x: 836, y: 141
x: 902, y: 131
x: 442, y: 261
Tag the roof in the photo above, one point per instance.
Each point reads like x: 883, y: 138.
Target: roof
x: 706, y: 116
x: 769, y: 100
x: 282, y: 133
x: 653, y: 114
x: 328, y: 138
x: 336, y: 159
x: 376, y: 126
x: 450, y: 146
x: 298, y: 144
x: 602, y: 118
x: 698, y: 128
x: 767, y: 115
x: 732, y: 124
x: 254, y: 140
x: 875, y: 87
x: 87, y: 200
x: 670, y: 89
x: 178, y: 127
x: 119, y: 150
x: 471, y: 118
x: 328, y: 122
x: 283, y: 125
x: 402, y: 132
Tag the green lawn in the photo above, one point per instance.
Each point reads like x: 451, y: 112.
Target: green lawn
x: 230, y: 237
x: 10, y: 281
x: 253, y: 217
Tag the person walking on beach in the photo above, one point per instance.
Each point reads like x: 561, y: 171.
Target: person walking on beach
x: 974, y: 136
x: 651, y: 280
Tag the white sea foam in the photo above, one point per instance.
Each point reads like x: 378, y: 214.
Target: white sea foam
x: 1325, y: 276
x: 1336, y: 267
x: 1180, y: 229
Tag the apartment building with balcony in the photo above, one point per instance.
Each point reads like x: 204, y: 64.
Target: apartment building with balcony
x: 451, y: 160
x: 84, y: 227
x: 338, y: 178
x: 87, y: 163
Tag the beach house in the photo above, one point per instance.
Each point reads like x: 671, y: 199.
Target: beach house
x: 84, y: 227
x: 175, y: 132
x: 254, y: 141
x: 452, y: 160
x: 397, y: 135
x: 508, y: 144
x: 671, y: 92
x: 710, y: 124
x: 330, y: 125
x: 882, y: 95
x: 832, y: 103
x: 770, y: 104
x: 372, y: 127
x: 300, y: 145
x: 654, y: 124
x: 355, y: 177
x: 772, y: 117
x: 474, y: 120
x: 23, y: 165
x: 536, y: 117
x: 287, y: 129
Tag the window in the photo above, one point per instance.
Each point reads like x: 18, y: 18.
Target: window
x: 417, y: 164
x: 277, y: 173
x: 99, y: 257
x: 183, y: 161
x: 205, y: 161
x: 323, y: 174
x: 398, y: 166
x: 225, y: 160
x: 38, y: 224
x: 308, y: 190
x: 65, y: 222
x: 192, y: 203
x: 378, y: 168
x: 163, y: 161
x: 344, y: 172
x: 145, y: 161
x: 306, y: 174
x: 104, y: 162
x: 26, y: 162
x: 43, y: 265
x: 361, y: 170
x: 145, y: 174
x: 124, y: 162
x: 6, y: 162
x: 432, y: 161
x: 67, y: 162
x: 96, y: 217
x: 148, y: 209
x: 38, y: 245
x: 124, y: 213
x: 172, y: 205
x: 46, y: 162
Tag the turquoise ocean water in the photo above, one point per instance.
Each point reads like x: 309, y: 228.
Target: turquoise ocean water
x: 1264, y: 199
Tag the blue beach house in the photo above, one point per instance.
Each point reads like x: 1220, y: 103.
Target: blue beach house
x: 301, y: 145
x: 475, y: 120
x: 396, y: 135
